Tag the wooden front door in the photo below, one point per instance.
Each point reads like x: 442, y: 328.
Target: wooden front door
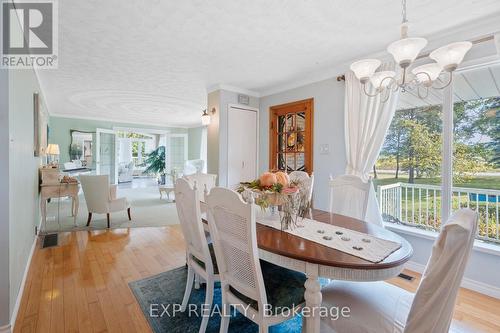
x: 291, y: 134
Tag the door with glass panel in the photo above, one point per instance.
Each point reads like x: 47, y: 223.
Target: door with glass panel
x: 291, y: 128
x: 106, y: 154
x: 176, y: 153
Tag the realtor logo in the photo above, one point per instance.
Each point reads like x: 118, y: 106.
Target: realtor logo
x: 29, y: 34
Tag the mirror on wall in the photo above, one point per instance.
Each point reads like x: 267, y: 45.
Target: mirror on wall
x: 81, y: 147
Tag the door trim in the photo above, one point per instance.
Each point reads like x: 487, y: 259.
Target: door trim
x: 310, y: 101
x: 257, y: 143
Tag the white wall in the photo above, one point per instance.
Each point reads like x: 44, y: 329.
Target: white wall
x: 482, y: 273
x: 4, y: 202
x: 328, y: 129
x: 217, y: 130
x: 213, y: 133
x: 23, y: 174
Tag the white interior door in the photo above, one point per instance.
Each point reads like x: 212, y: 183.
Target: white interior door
x: 242, y: 141
x: 106, y: 154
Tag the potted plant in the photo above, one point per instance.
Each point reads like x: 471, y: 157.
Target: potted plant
x: 155, y: 164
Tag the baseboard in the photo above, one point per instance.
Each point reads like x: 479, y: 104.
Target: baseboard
x: 21, y: 288
x: 467, y: 283
x: 6, y: 329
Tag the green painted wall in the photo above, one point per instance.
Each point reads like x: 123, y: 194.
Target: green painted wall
x: 194, y: 142
x: 60, y: 131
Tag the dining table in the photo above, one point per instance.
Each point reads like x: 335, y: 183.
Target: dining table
x: 319, y: 261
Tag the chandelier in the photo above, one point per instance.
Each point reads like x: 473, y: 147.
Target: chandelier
x: 405, y: 51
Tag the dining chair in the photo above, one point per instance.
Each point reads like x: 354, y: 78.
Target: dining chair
x: 349, y: 196
x: 382, y: 307
x: 100, y: 197
x: 306, y: 181
x: 205, y: 182
x: 259, y: 290
x: 200, y: 254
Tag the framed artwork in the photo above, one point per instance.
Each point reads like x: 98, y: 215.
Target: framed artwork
x: 36, y: 124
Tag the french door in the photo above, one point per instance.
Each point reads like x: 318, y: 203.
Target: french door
x: 291, y: 135
x: 106, y: 154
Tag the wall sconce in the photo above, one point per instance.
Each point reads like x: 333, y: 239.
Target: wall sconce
x: 205, y: 117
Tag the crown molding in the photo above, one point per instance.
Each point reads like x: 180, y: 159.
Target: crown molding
x: 59, y: 115
x: 239, y: 90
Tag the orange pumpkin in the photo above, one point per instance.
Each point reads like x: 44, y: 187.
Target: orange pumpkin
x: 267, y: 179
x: 282, y: 178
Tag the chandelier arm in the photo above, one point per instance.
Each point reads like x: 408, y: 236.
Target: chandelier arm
x: 367, y: 93
x: 403, y: 79
x: 450, y: 79
x: 426, y: 74
x: 426, y: 92
x: 392, y: 81
x: 386, y: 97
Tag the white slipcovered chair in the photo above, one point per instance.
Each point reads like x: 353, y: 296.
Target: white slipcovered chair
x: 349, y: 196
x: 200, y: 255
x: 378, y: 307
x: 101, y: 198
x: 126, y: 172
x: 257, y: 289
x: 193, y: 166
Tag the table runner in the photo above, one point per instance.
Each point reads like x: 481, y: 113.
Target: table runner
x: 356, y: 243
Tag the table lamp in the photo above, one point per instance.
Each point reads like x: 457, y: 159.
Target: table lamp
x: 53, y: 153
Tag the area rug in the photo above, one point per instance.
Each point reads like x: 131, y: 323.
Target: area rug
x: 159, y: 294
x: 148, y: 210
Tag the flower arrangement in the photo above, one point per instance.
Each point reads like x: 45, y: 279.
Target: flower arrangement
x: 276, y: 189
x: 270, y: 188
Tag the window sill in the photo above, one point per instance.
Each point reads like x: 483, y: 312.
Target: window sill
x: 479, y: 245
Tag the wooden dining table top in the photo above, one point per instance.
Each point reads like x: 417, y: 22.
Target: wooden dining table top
x: 295, y: 247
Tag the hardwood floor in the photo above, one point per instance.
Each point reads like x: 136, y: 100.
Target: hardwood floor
x: 82, y: 285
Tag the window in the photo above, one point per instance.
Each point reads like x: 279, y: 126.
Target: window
x: 476, y: 147
x: 408, y: 171
x: 291, y: 136
x: 414, y: 180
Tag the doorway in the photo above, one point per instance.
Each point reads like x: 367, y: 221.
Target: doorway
x: 291, y: 136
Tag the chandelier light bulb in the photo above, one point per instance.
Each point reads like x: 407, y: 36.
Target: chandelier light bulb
x: 427, y: 73
x: 451, y: 55
x: 406, y: 50
x: 364, y: 69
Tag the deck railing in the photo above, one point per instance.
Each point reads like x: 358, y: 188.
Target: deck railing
x: 419, y: 205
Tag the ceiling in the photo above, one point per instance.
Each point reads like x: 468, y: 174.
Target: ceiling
x: 151, y: 61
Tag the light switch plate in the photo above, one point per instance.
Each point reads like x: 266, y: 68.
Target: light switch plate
x: 324, y: 149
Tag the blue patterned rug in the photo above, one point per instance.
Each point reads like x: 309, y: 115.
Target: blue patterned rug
x: 158, y: 294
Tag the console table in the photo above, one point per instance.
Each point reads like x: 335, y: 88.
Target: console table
x: 50, y: 187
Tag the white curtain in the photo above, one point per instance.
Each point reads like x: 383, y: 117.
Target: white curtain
x: 367, y: 120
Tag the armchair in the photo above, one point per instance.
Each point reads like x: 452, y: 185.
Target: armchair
x: 101, y: 197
